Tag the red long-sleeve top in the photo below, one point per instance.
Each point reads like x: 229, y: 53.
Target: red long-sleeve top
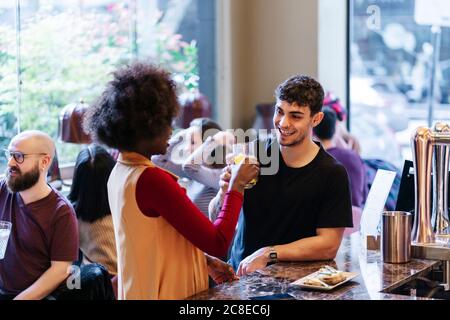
x: 158, y: 194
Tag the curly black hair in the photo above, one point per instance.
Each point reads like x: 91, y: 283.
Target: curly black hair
x: 139, y: 103
x: 303, y: 90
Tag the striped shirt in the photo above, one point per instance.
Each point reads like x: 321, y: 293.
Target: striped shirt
x: 98, y: 244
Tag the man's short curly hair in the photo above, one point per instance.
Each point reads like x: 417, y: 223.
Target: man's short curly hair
x: 303, y: 90
x: 139, y: 103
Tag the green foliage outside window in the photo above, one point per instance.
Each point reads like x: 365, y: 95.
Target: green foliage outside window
x: 66, y: 57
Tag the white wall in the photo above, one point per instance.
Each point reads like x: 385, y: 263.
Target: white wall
x: 263, y: 42
x: 332, y: 46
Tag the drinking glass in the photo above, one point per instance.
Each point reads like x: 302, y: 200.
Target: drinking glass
x: 243, y: 150
x: 5, y: 231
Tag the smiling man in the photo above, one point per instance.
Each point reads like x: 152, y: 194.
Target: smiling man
x: 44, y: 238
x: 300, y: 213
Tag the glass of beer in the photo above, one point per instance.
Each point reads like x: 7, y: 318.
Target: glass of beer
x: 243, y: 150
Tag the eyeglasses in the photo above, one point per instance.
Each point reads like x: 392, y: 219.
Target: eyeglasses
x: 18, y: 156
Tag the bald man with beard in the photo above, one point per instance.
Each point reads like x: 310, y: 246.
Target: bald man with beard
x: 44, y: 238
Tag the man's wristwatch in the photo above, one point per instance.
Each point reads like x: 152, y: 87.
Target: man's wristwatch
x: 273, y: 257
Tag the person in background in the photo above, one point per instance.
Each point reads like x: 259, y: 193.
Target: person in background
x: 43, y: 242
x: 187, y: 157
x: 342, y: 138
x: 325, y: 132
x: 185, y: 142
x: 205, y: 165
x: 89, y: 197
x: 161, y: 236
x: 346, y: 140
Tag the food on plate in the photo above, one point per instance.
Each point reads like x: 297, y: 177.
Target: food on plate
x: 314, y: 282
x: 333, y: 279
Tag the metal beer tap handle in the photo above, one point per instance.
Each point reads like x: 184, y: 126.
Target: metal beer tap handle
x: 439, y: 218
x: 422, y: 142
x: 422, y: 155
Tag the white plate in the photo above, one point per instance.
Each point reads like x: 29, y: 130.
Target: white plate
x: 300, y: 282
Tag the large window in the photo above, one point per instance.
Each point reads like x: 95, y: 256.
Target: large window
x: 390, y: 80
x: 63, y: 51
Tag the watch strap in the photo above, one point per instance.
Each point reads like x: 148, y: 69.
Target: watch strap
x: 273, y: 256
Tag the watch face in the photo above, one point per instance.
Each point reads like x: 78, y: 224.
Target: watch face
x: 273, y: 256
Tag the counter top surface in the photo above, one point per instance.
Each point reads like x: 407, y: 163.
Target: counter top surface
x: 374, y: 281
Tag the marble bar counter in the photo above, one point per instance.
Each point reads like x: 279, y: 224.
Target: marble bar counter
x: 376, y: 280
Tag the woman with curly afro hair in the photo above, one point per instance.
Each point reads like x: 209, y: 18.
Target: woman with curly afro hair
x: 161, y: 236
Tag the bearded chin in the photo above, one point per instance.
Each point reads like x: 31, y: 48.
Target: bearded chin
x: 296, y: 142
x: 23, y: 181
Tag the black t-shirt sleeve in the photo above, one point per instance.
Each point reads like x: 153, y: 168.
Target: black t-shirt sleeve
x: 336, y: 208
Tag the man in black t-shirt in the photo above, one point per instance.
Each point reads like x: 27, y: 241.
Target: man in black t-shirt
x: 299, y: 213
